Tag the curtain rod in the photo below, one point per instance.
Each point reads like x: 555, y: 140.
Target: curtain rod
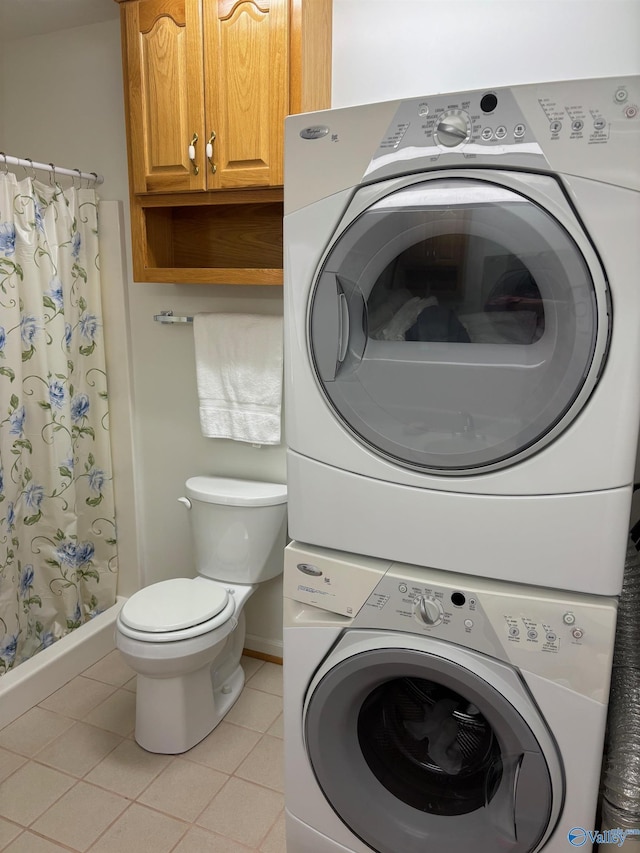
x: 28, y: 163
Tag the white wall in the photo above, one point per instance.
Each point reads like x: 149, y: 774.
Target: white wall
x: 62, y: 95
x: 65, y: 105
x: 383, y: 51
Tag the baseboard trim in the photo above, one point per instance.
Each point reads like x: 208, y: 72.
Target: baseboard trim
x: 268, y: 650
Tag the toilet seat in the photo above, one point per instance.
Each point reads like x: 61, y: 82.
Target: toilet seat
x: 176, y: 609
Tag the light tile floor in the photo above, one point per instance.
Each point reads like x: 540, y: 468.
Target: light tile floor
x: 72, y: 778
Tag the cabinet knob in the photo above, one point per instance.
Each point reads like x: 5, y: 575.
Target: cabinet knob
x: 210, y: 151
x: 192, y: 154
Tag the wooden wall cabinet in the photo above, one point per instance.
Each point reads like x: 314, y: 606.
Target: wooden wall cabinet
x: 208, y: 84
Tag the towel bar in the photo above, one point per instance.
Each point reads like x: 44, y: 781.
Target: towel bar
x: 170, y: 317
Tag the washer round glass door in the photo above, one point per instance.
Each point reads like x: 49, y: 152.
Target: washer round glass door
x: 412, y: 750
x: 455, y: 323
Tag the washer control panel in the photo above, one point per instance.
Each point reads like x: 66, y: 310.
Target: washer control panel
x: 564, y: 637
x: 556, y: 635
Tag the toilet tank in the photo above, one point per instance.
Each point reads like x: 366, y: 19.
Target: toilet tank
x: 238, y: 528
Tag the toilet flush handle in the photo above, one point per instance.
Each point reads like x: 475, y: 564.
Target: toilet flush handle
x: 186, y: 502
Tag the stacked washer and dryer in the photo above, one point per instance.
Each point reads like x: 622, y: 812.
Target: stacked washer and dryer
x: 462, y: 370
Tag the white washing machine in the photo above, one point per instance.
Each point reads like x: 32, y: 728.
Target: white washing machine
x: 432, y: 710
x: 462, y: 306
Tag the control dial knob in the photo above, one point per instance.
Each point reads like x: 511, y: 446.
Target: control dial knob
x: 428, y: 610
x: 453, y: 128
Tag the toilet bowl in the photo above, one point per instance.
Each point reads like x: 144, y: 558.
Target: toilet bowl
x: 184, y: 637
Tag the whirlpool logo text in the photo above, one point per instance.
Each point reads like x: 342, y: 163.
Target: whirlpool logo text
x: 578, y: 836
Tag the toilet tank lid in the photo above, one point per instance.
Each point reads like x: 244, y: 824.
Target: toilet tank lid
x: 233, y: 492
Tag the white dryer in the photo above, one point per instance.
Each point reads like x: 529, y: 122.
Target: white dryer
x: 432, y: 710
x: 462, y: 305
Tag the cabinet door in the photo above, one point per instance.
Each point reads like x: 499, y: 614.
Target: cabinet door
x: 165, y: 91
x: 246, y: 91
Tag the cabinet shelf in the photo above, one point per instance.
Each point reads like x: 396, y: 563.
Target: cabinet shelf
x: 199, y: 275
x: 236, y: 238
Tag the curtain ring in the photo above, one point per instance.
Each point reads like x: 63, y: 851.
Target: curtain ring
x: 6, y: 167
x: 33, y: 171
x: 79, y: 179
x: 95, y: 178
x: 52, y: 175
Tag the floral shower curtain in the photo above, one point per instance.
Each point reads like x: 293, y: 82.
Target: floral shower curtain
x: 58, y: 559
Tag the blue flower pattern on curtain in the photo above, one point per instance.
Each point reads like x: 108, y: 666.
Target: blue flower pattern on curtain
x: 58, y: 557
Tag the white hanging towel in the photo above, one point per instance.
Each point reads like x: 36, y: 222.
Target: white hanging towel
x: 239, y: 376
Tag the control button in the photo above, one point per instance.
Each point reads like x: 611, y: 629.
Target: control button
x: 555, y: 126
x: 402, y: 588
x: 488, y: 102
x: 428, y: 610
x: 577, y: 125
x: 458, y: 599
x: 599, y: 124
x: 631, y: 111
x: 569, y: 619
x: 551, y: 637
x: 577, y: 633
x: 519, y: 131
x: 453, y: 128
x: 487, y: 133
x: 468, y: 623
x: 514, y: 632
x: 423, y: 110
x: 621, y: 95
x: 501, y: 132
x: 532, y: 634
x: 472, y: 602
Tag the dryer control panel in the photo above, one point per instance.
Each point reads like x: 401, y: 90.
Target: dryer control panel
x: 581, y: 127
x: 442, y: 122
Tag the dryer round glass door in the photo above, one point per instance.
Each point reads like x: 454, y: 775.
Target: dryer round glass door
x: 411, y: 749
x: 456, y: 326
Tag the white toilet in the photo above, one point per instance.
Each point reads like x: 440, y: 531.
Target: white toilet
x: 184, y: 637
